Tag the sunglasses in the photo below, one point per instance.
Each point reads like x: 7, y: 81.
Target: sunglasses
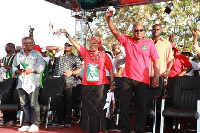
x: 140, y: 30
x: 68, y: 45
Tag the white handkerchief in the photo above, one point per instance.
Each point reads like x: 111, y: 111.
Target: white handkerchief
x: 111, y: 8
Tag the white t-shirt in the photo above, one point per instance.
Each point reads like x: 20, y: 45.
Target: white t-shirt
x: 195, y: 67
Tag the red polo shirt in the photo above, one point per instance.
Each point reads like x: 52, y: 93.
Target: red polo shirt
x: 138, y: 57
x: 180, y: 61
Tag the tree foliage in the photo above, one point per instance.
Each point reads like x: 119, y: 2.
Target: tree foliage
x: 181, y: 22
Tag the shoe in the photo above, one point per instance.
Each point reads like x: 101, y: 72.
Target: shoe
x: 55, y: 123
x: 33, y: 128
x: 68, y: 124
x: 24, y: 128
x: 62, y: 123
x: 11, y: 123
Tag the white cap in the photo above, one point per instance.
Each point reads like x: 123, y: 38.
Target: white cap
x: 43, y: 49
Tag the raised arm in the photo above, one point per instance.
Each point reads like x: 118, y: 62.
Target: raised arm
x: 76, y: 45
x: 195, y: 34
x: 111, y: 26
x: 53, y: 48
x: 195, y: 44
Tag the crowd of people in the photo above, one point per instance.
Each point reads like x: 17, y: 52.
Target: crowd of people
x: 143, y: 58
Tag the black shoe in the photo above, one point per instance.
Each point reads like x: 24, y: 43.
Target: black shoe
x: 58, y: 123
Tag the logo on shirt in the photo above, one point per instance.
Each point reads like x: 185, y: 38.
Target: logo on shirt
x: 144, y: 47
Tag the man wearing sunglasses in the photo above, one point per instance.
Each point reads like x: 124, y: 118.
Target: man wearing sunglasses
x: 66, y: 64
x: 139, y: 51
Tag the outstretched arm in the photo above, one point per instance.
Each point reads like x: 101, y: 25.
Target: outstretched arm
x: 76, y: 45
x: 111, y: 26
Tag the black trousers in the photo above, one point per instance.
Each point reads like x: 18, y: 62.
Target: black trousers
x: 66, y: 113
x: 139, y: 89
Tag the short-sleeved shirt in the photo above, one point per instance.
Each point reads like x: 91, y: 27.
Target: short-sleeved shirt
x: 34, y: 60
x: 64, y: 62
x: 165, y: 53
x: 138, y: 55
x: 180, y: 61
x: 102, y: 63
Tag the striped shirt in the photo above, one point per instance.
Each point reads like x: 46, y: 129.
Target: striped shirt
x: 64, y: 62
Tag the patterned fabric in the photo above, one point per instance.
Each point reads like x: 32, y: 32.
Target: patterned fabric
x: 66, y: 62
x: 92, y: 114
x: 8, y: 61
x: 119, y: 61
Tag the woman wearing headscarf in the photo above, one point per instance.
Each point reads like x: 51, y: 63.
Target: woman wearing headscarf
x: 95, y: 84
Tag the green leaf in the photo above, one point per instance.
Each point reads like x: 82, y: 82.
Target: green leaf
x: 24, y: 65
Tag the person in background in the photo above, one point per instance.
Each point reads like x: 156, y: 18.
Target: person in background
x: 68, y: 65
x: 95, y: 84
x: 119, y: 59
x: 181, y: 64
x: 28, y: 64
x: 195, y: 68
x: 44, y: 54
x: 164, y: 50
x: 139, y: 51
x: 51, y: 64
x: 18, y: 49
x: 9, y: 117
x: 45, y: 74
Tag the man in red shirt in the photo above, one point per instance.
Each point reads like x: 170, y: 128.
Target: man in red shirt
x: 181, y: 64
x: 139, y: 51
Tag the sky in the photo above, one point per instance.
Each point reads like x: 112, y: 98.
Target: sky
x: 17, y: 15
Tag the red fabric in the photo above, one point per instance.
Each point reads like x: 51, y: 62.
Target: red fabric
x: 37, y: 47
x: 180, y: 61
x: 138, y: 57
x: 132, y: 1
x: 174, y: 47
x: 103, y: 61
